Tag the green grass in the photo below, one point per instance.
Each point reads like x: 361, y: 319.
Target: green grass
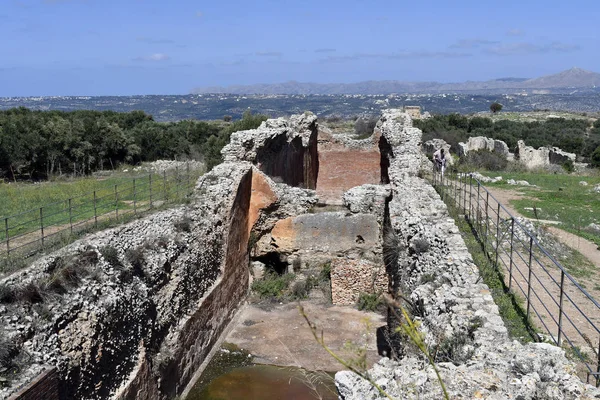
x: 21, y: 202
x: 558, y: 197
x: 272, y: 285
x: 509, y: 306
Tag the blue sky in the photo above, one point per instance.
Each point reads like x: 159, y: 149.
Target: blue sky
x: 122, y: 47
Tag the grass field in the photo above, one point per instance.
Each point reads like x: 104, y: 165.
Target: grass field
x: 23, y: 203
x: 557, y: 197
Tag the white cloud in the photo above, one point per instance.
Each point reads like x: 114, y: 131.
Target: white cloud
x: 472, y: 43
x: 153, y: 57
x: 525, y: 48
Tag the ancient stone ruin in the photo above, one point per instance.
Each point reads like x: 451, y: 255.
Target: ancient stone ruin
x: 482, y: 143
x: 132, y: 312
x: 542, y: 157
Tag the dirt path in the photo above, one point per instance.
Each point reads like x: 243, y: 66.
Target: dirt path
x: 534, y: 275
x: 586, y: 247
x: 279, y: 335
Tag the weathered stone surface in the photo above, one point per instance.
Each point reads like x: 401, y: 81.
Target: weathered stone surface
x: 344, y: 163
x: 483, y: 143
x: 151, y: 311
x: 326, y: 233
x: 350, y: 278
x: 367, y: 199
x: 542, y: 157
x: 435, y: 269
x: 282, y: 148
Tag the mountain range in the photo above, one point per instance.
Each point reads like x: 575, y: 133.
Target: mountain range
x: 574, y: 78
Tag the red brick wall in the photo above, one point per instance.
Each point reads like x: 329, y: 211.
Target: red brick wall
x: 340, y: 170
x: 44, y: 387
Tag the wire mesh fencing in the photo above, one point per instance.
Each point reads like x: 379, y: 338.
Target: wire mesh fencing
x: 553, y: 300
x: 29, y: 232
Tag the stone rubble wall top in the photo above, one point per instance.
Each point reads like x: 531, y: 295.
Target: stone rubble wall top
x: 454, y: 297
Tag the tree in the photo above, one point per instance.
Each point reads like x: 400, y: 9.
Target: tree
x: 595, y: 159
x: 495, y: 107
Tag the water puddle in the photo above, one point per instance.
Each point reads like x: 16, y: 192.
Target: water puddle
x: 230, y: 375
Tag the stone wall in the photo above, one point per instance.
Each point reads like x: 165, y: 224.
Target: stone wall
x: 456, y: 305
x: 45, y: 387
x: 285, y: 149
x: 483, y: 143
x: 345, y: 163
x: 350, y: 278
x: 132, y: 312
x: 543, y: 157
x: 138, y: 320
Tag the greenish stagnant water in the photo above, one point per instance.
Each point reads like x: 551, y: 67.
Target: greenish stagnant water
x: 231, y: 375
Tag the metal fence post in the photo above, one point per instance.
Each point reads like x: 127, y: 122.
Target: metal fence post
x: 70, y: 215
x: 471, y: 198
x: 465, y: 194
x: 529, y: 275
x: 560, y: 305
x: 95, y: 211
x: 497, y: 233
x: 478, y: 214
x: 456, y: 193
x: 487, y: 220
x: 7, y: 236
x: 512, y: 238
x: 134, y: 198
x: 42, y: 224
x: 150, y: 187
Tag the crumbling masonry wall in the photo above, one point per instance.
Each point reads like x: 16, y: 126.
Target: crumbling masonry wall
x: 282, y: 148
x: 442, y: 278
x: 131, y: 312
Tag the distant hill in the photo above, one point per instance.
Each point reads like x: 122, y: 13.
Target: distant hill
x: 572, y: 78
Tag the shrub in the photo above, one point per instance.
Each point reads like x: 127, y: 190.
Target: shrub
x: 7, y: 294
x: 137, y: 259
x: 325, y: 273
x: 426, y: 278
x: 363, y: 128
x: 111, y: 255
x: 568, y: 166
x: 391, y: 247
x: 369, y: 301
x: 486, y: 159
x: 29, y: 293
x: 595, y: 159
x: 272, y: 285
x: 297, y: 264
x: 459, y: 347
x: 301, y: 289
x: 184, y: 224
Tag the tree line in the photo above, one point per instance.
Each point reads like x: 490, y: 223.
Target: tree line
x: 40, y: 144
x: 573, y: 135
